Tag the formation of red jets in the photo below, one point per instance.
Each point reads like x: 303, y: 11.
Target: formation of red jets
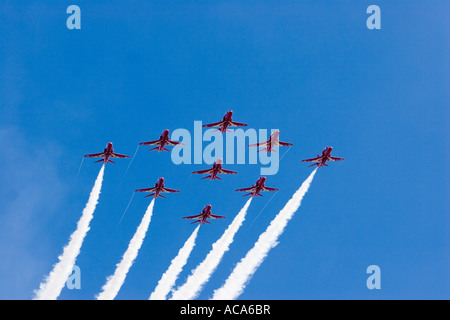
x: 216, y: 169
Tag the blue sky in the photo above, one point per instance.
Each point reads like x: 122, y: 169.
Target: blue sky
x: 314, y: 71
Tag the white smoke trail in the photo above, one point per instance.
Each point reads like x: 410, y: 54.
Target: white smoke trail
x: 131, y: 161
x: 115, y: 281
x: 79, y: 169
x: 170, y: 276
x: 126, y: 209
x: 55, y: 281
x: 238, y: 279
x: 205, y: 269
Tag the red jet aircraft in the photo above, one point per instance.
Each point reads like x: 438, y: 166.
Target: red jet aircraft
x: 320, y: 160
x: 205, y: 214
x: 161, y: 142
x: 255, y: 189
x: 106, y: 154
x: 214, y: 171
x: 157, y: 189
x: 226, y: 122
x: 272, y: 142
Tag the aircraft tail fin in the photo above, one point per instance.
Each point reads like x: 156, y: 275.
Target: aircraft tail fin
x: 156, y: 148
x: 99, y: 161
x: 150, y: 195
x: 206, y: 177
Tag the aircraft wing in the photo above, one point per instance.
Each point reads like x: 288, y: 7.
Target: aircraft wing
x: 212, y: 125
x: 150, y: 143
x: 203, y: 171
x: 145, y: 190
x: 246, y: 189
x: 335, y: 159
x: 170, y: 190
x: 313, y: 159
x: 262, y: 144
x: 237, y: 124
x: 118, y: 155
x: 225, y: 171
x: 95, y: 155
x: 270, y: 189
x: 198, y: 216
x: 174, y: 143
x: 284, y: 144
x: 213, y: 216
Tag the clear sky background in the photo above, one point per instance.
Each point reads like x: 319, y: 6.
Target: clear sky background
x: 311, y: 69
